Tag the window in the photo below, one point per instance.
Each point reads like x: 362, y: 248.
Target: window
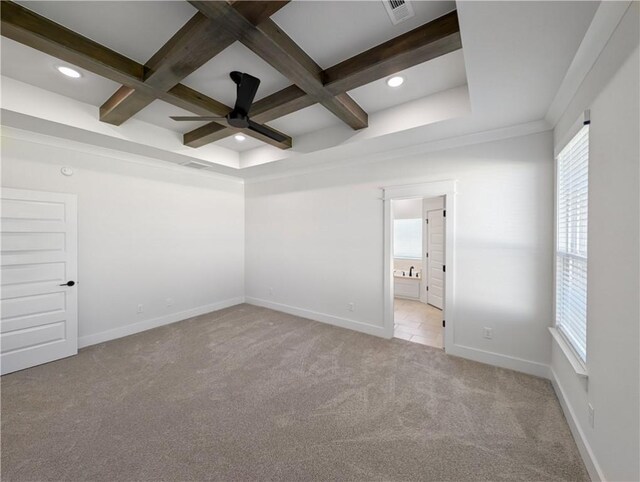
x: 571, y: 247
x: 407, y: 238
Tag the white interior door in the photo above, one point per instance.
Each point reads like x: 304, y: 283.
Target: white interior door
x: 435, y: 257
x: 39, y: 318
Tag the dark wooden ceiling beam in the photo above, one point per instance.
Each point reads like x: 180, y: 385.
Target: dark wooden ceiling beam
x: 433, y: 39
x: 28, y: 28
x: 270, y: 43
x: 285, y: 101
x: 123, y: 104
x: 197, y: 42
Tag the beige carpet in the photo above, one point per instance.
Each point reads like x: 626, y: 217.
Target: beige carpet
x: 248, y: 393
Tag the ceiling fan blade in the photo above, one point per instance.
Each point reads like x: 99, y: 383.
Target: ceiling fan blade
x: 246, y: 91
x: 196, y: 118
x: 268, y: 132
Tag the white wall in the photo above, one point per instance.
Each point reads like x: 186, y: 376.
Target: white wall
x: 316, y: 240
x: 610, y: 91
x: 147, y: 232
x: 407, y: 208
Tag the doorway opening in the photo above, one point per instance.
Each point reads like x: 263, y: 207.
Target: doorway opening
x: 418, y: 234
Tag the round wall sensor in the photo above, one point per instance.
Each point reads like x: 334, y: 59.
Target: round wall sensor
x: 67, y: 171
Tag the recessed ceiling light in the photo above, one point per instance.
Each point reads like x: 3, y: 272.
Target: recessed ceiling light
x: 239, y: 137
x: 69, y: 72
x: 395, y: 81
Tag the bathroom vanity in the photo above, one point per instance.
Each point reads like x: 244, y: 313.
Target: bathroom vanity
x: 405, y: 285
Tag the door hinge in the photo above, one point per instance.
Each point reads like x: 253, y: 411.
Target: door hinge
x: 426, y: 255
x: 443, y: 323
x: 444, y: 213
x: 444, y: 268
x: 426, y: 221
x: 427, y: 288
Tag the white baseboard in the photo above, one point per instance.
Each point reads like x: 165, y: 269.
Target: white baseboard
x: 139, y: 326
x: 490, y: 358
x: 417, y: 298
x: 322, y: 317
x: 589, y: 459
x: 503, y: 361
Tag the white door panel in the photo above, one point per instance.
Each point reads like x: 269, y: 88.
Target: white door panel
x: 33, y: 273
x: 21, y: 242
x: 22, y: 340
x: 435, y: 260
x: 20, y: 209
x: 32, y: 320
x: 30, y: 304
x: 39, y: 321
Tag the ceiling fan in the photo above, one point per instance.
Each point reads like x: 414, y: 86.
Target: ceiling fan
x: 246, y: 86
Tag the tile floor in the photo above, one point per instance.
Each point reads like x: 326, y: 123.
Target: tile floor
x: 418, y: 322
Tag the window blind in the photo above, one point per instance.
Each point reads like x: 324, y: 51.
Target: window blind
x: 571, y: 235
x: 407, y: 238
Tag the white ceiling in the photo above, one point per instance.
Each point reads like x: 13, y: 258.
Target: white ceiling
x: 33, y: 67
x: 213, y: 79
x: 310, y: 119
x: 136, y: 29
x: 439, y: 74
x: 333, y: 31
x: 517, y: 53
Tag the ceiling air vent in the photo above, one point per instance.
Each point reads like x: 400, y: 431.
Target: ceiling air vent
x: 195, y: 165
x: 398, y: 10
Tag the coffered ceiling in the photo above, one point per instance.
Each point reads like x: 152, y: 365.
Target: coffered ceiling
x: 327, y: 32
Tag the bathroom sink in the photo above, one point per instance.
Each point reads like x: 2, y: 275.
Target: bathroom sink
x: 400, y: 273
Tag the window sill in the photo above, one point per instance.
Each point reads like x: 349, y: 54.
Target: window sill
x: 574, y: 361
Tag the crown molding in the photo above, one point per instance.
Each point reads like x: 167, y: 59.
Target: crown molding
x: 604, y: 23
x: 479, y: 137
x: 9, y: 132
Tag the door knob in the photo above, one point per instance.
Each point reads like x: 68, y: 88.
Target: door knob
x: 68, y: 283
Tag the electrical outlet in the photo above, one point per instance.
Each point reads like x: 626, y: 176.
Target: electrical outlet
x: 169, y: 302
x: 140, y: 309
x: 591, y: 415
x: 351, y: 306
x: 487, y: 333
x: 270, y: 291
